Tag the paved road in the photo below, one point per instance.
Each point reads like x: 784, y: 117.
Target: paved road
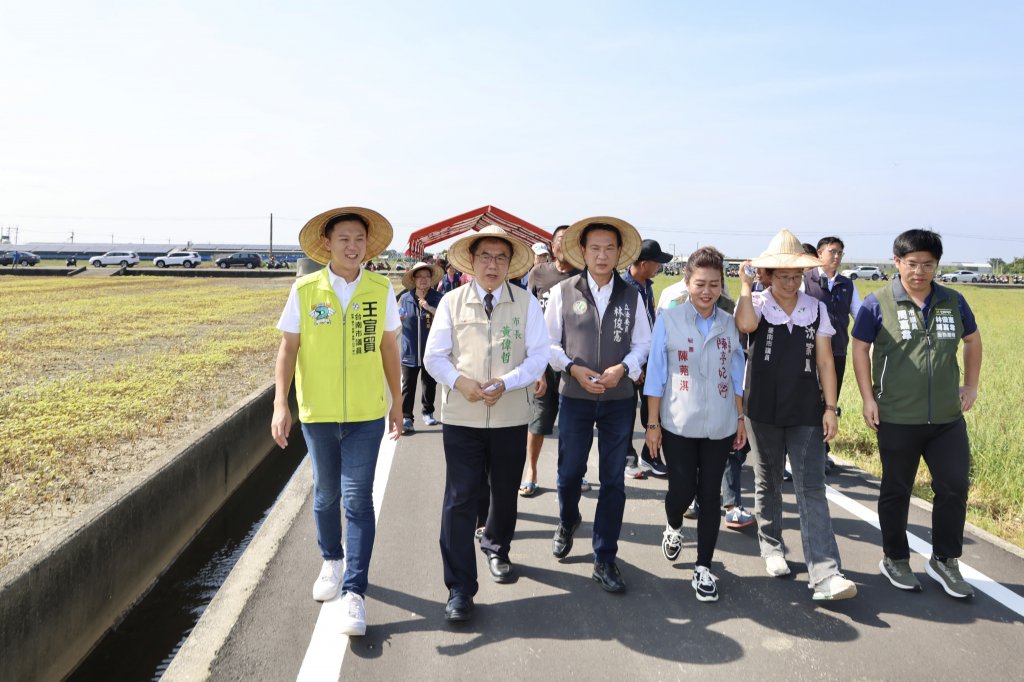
x: 556, y: 623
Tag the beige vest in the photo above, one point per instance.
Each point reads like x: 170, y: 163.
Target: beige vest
x: 484, y: 348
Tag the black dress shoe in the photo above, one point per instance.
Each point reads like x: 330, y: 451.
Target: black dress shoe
x: 609, y: 577
x: 501, y: 569
x: 459, y: 608
x: 562, y: 542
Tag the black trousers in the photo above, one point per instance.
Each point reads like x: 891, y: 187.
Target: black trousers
x: 840, y: 362
x: 476, y: 458
x: 695, y: 468
x: 409, y: 375
x: 638, y: 391
x: 947, y: 453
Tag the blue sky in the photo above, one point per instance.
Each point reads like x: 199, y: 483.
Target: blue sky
x: 697, y: 122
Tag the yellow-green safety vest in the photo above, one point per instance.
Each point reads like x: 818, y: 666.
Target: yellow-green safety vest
x: 339, y: 374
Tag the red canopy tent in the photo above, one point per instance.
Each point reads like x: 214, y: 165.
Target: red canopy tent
x: 476, y: 219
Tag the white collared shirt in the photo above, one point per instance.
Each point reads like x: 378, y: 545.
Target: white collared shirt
x: 439, y: 343
x: 855, y: 302
x: 291, y: 316
x: 640, y: 341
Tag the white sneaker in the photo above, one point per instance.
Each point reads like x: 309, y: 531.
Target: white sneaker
x: 776, y: 565
x: 353, y: 616
x: 326, y: 586
x: 833, y: 588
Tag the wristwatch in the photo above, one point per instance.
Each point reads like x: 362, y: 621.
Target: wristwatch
x: 653, y: 427
x: 830, y: 408
x: 625, y: 368
x: 568, y: 368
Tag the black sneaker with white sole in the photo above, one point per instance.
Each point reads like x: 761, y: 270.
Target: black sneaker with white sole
x: 704, y: 584
x: 653, y: 466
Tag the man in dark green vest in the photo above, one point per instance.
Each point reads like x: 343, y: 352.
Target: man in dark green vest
x: 905, y: 341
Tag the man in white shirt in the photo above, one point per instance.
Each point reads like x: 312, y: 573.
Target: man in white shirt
x: 341, y: 352
x: 840, y: 296
x: 600, y: 338
x: 488, y: 347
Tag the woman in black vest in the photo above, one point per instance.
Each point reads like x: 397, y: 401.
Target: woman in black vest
x: 791, y: 403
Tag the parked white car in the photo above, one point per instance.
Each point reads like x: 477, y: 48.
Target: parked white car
x: 188, y: 259
x: 960, y: 276
x: 122, y: 258
x: 863, y: 272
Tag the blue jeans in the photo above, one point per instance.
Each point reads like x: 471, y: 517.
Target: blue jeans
x: 806, y: 448
x: 344, y: 458
x: 731, y: 480
x: 576, y: 420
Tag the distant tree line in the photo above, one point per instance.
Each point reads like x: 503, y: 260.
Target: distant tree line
x: 1001, y: 267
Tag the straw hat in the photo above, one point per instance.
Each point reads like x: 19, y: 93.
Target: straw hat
x: 522, y: 257
x: 436, y: 273
x: 378, y: 236
x: 785, y: 251
x: 572, y: 250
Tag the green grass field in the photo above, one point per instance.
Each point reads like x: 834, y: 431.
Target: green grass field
x: 995, y: 425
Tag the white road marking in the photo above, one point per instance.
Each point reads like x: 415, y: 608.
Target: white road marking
x: 979, y: 580
x: 326, y: 651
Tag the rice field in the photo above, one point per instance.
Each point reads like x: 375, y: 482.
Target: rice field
x: 95, y: 371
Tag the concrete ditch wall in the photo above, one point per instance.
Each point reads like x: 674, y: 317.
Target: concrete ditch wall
x: 58, y: 600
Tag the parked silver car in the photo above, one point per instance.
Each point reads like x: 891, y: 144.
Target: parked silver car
x: 960, y: 276
x: 863, y: 272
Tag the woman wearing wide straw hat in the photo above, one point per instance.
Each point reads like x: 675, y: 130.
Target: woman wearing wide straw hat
x: 791, y: 403
x: 417, y: 306
x: 487, y: 348
x: 339, y: 341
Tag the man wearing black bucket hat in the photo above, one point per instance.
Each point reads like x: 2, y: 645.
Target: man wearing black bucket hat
x: 641, y: 274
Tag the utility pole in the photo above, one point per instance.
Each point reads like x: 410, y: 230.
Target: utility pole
x: 271, y: 254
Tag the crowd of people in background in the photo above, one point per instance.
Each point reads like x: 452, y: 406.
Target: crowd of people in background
x: 522, y: 336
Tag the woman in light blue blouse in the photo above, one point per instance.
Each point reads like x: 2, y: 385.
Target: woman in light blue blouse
x: 694, y: 389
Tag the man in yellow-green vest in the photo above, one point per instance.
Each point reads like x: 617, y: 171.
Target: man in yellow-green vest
x: 339, y: 340
x: 487, y: 348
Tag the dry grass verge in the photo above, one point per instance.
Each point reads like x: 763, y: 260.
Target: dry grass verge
x: 99, y: 375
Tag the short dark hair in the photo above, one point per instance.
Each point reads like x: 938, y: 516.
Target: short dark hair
x: 345, y: 218
x: 476, y: 244
x: 594, y: 227
x: 809, y: 249
x: 560, y: 228
x: 705, y: 257
x: 918, y: 240
x: 825, y: 241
